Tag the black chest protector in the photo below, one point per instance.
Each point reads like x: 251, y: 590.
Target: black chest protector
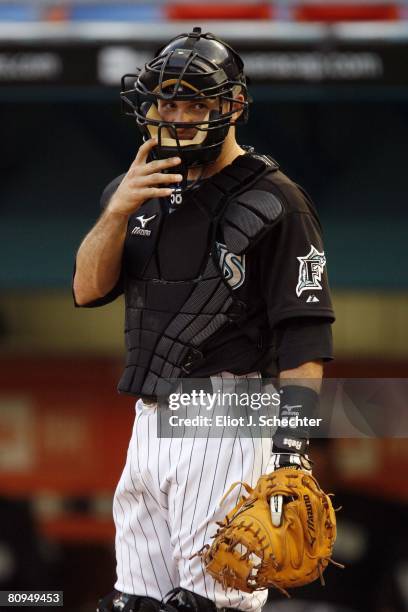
x: 176, y: 296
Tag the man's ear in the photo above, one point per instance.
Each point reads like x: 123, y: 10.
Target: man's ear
x: 238, y: 107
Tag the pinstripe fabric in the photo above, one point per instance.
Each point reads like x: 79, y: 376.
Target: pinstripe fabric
x: 166, y: 503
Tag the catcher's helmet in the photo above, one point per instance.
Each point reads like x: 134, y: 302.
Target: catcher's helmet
x: 192, y: 66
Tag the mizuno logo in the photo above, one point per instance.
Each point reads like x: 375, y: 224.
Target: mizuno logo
x: 142, y: 231
x: 310, y: 520
x: 288, y: 411
x: 309, y: 512
x: 143, y: 221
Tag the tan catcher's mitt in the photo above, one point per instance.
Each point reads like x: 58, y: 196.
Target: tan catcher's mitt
x: 250, y: 553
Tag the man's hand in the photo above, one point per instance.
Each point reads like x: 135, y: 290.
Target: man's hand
x: 299, y: 397
x: 143, y: 181
x: 248, y: 552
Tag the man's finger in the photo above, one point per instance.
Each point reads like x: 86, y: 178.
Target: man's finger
x: 158, y: 192
x: 161, y: 164
x: 276, y: 503
x: 144, y: 151
x: 159, y: 177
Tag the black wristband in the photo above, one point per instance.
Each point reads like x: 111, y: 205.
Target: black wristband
x: 298, y: 405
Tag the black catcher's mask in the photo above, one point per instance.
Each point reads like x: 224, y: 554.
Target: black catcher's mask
x: 190, y: 67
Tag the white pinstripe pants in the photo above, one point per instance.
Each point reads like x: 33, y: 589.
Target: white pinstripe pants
x: 165, y: 505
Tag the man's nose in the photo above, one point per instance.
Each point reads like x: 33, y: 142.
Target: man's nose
x: 181, y: 116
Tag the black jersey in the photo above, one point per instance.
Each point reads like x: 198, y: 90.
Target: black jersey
x: 282, y: 280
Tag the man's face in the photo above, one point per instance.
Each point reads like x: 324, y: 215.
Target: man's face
x: 186, y: 111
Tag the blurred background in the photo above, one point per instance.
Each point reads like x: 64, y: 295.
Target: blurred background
x: 330, y: 84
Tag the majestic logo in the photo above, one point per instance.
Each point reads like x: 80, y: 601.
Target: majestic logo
x: 231, y: 265
x: 312, y: 299
x: 142, y: 231
x: 310, y: 271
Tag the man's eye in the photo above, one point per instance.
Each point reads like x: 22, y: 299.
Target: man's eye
x: 166, y: 105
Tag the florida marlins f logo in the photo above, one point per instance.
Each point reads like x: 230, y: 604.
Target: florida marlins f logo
x: 310, y: 271
x: 231, y: 265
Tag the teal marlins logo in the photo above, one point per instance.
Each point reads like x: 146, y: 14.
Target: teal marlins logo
x: 231, y: 265
x: 311, y: 268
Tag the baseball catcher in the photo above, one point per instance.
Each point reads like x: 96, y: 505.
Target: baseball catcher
x: 220, y: 258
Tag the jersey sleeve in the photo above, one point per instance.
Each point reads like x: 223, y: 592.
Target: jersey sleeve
x: 102, y: 301
x: 293, y: 270
x: 117, y: 290
x: 303, y: 339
